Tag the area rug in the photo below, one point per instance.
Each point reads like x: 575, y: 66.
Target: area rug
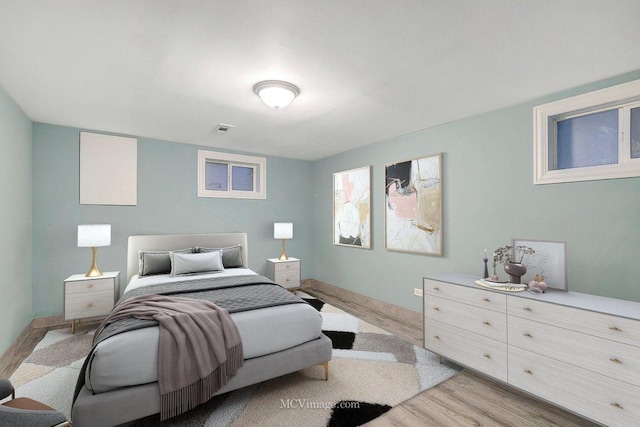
x: 371, y: 371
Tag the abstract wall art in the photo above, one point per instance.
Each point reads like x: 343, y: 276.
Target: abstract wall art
x: 352, y: 208
x: 413, y: 206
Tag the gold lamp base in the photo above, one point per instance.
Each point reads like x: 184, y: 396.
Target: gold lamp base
x: 94, y: 271
x: 283, y: 255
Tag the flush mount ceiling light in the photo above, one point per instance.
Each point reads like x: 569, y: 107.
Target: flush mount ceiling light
x: 276, y: 93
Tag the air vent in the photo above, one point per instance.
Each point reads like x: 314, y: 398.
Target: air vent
x: 224, y: 128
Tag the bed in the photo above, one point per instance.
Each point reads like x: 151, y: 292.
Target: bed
x: 119, y: 381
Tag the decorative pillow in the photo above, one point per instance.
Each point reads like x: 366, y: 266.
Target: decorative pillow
x: 195, y: 263
x: 156, y: 262
x: 231, y: 256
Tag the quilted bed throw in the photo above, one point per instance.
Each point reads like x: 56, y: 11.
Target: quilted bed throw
x: 199, y: 348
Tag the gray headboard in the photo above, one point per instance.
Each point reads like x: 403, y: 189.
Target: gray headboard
x: 167, y: 242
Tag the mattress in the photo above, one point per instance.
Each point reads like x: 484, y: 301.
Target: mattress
x: 131, y: 358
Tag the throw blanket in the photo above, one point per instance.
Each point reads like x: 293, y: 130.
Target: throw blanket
x: 199, y: 348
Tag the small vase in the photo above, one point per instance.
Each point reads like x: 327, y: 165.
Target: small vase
x: 515, y: 271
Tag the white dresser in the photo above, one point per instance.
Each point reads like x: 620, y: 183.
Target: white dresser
x: 578, y: 351
x: 286, y: 273
x: 86, y: 297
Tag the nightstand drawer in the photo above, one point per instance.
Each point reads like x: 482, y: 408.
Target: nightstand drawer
x: 90, y: 285
x: 88, y: 304
x: 288, y: 279
x: 287, y: 266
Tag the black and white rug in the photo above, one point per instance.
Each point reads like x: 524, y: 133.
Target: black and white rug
x: 371, y: 371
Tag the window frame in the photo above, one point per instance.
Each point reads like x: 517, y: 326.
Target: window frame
x: 258, y: 164
x: 622, y: 97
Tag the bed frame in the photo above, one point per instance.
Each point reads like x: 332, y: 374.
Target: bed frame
x: 131, y: 403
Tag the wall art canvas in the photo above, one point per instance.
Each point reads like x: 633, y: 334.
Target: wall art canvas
x: 352, y: 208
x: 549, y: 260
x: 413, y: 211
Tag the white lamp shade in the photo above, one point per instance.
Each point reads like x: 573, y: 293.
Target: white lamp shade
x: 94, y: 235
x: 283, y: 230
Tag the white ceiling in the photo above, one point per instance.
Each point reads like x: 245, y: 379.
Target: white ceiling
x: 368, y: 70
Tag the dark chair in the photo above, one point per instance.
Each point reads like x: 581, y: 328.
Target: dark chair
x: 27, y: 412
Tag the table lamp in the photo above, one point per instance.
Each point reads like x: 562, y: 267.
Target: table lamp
x: 92, y: 236
x: 284, y: 231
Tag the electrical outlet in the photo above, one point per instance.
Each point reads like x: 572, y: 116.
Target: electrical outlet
x: 417, y: 292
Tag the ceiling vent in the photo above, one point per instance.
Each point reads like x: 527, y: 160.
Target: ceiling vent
x: 224, y: 128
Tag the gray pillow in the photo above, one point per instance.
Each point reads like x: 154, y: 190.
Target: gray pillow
x: 156, y: 262
x: 195, y: 263
x: 231, y: 256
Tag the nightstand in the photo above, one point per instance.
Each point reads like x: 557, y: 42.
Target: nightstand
x: 286, y: 273
x: 86, y: 297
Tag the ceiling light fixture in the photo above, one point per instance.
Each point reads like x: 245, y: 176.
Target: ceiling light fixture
x: 276, y: 93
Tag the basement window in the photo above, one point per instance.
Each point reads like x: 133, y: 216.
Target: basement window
x: 588, y: 137
x: 232, y: 176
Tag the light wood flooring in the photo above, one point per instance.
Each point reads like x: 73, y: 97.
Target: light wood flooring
x: 467, y: 399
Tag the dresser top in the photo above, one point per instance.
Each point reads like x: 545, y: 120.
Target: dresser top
x: 606, y: 305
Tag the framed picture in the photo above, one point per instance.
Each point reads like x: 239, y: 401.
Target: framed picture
x: 549, y: 260
x: 352, y: 208
x: 413, y: 206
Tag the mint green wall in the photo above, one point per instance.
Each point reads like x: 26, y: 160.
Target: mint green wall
x: 489, y: 198
x: 15, y: 220
x: 167, y: 203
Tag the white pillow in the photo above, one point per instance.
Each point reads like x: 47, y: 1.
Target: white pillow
x: 182, y: 263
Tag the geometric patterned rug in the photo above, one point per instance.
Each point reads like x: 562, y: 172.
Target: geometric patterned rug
x: 371, y: 371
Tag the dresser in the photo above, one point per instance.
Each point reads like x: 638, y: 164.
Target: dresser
x: 87, y: 297
x: 286, y: 273
x: 578, y: 351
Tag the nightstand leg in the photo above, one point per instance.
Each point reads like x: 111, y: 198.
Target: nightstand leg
x: 73, y: 326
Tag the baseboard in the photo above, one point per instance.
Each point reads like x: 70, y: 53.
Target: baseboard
x: 10, y: 352
x: 48, y: 322
x: 405, y: 315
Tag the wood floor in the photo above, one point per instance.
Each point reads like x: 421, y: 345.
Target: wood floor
x: 464, y: 400
x: 468, y: 399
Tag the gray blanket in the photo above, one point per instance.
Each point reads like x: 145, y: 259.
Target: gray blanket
x: 235, y: 294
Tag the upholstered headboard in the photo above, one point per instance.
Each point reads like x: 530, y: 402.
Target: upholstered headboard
x: 167, y: 242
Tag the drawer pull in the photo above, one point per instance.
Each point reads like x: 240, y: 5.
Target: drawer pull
x: 436, y: 337
x: 615, y: 328
x: 527, y: 334
x: 527, y: 308
x: 615, y: 360
x: 436, y: 308
x: 485, y: 299
x: 90, y: 285
x: 90, y: 305
x: 486, y: 323
x: 487, y: 356
x: 616, y: 405
x: 528, y: 371
x: 435, y: 288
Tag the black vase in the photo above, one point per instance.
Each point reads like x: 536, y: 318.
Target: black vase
x: 515, y: 270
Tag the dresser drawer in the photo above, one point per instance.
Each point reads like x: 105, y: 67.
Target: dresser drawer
x: 477, y: 352
x: 89, y: 285
x: 88, y: 304
x: 601, y: 325
x: 489, y: 323
x: 288, y: 279
x: 603, y: 399
x: 477, y: 297
x: 609, y: 358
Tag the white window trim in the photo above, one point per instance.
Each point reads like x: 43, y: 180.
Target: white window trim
x: 260, y: 178
x: 545, y: 117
